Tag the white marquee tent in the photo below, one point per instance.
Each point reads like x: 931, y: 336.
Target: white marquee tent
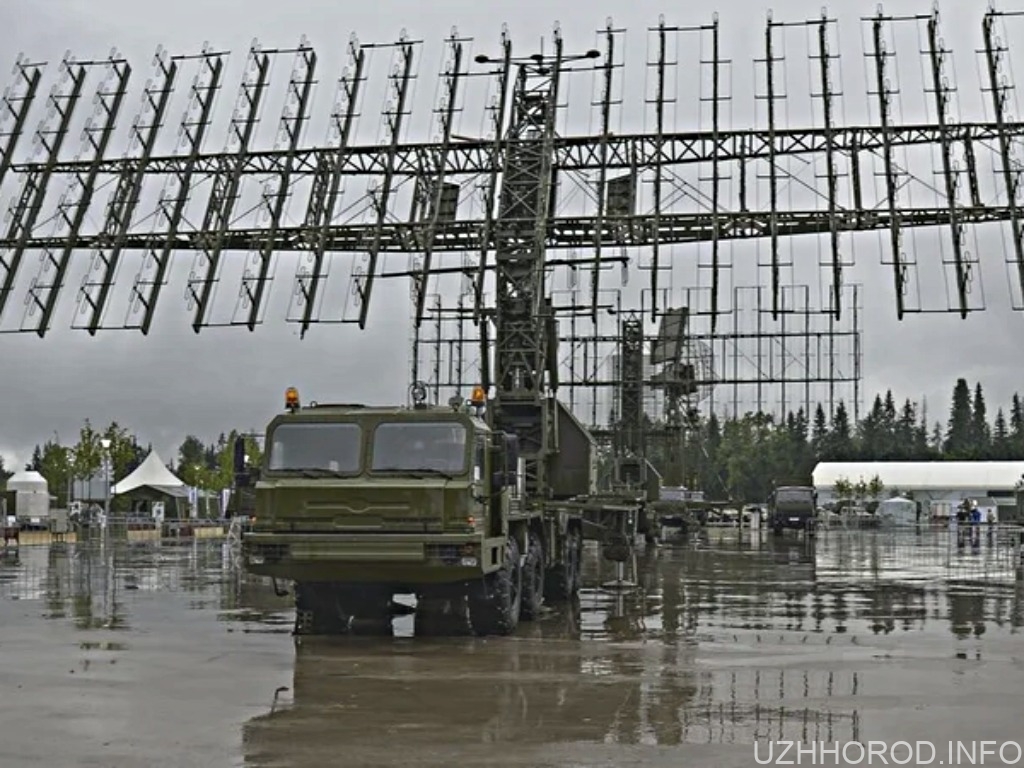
x: 151, y: 473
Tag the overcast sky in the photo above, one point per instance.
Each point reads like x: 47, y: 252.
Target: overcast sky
x: 175, y: 382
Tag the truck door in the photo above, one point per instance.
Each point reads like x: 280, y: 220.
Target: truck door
x: 494, y: 472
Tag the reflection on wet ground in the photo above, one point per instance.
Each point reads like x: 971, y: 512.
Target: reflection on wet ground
x: 166, y: 655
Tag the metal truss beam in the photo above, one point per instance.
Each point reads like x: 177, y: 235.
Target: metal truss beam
x: 582, y: 153
x: 566, y: 231
x: 125, y: 200
x: 430, y: 188
x: 174, y: 197
x: 999, y: 89
x: 226, y: 184
x: 492, y: 198
x: 327, y: 184
x: 17, y: 101
x: 74, y: 204
x: 26, y: 207
x: 826, y: 95
x: 395, y: 116
x: 941, y: 91
x: 276, y: 192
x: 884, y: 94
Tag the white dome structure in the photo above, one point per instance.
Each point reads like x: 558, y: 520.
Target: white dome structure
x: 31, y: 496
x: 27, y: 481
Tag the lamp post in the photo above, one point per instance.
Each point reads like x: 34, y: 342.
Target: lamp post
x: 105, y: 442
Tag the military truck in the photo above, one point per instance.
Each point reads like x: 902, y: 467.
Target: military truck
x: 356, y: 503
x: 793, y: 507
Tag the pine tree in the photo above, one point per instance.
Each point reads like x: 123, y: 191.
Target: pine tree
x: 841, y: 437
x: 922, y: 448
x: 981, y: 434
x: 959, y: 444
x: 904, y: 433
x: 37, y: 459
x: 819, y: 433
x: 1000, y: 438
x: 871, y: 432
x: 891, y: 448
x: 1016, y: 428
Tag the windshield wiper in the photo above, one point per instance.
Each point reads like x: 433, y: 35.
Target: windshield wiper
x: 321, y: 473
x: 417, y: 472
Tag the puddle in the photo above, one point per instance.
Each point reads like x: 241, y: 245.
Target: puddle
x: 722, y: 641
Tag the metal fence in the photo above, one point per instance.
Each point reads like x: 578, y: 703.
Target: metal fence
x: 119, y: 527
x: 984, y: 552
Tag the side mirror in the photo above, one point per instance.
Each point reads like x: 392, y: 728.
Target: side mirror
x: 239, y: 455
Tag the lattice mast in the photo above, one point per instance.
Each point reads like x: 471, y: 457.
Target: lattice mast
x: 525, y: 341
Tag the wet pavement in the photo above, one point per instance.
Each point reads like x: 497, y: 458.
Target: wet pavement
x: 166, y: 655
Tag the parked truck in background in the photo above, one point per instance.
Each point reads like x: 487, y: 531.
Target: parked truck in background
x: 355, y: 504
x: 793, y: 507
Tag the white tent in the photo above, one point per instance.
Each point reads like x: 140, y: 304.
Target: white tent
x: 897, y: 511
x: 965, y: 476
x: 151, y: 473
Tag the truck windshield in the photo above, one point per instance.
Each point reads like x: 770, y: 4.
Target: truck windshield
x: 424, y: 446
x: 318, y: 446
x: 794, y: 496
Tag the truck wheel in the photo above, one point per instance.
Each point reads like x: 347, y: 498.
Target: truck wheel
x: 441, y: 616
x: 495, y: 601
x: 563, y: 579
x: 317, y: 611
x: 329, y: 608
x: 368, y: 608
x: 533, y: 578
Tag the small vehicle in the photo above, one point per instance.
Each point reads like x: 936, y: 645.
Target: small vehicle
x: 793, y: 507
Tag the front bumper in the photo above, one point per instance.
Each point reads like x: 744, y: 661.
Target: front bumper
x: 387, y: 558
x: 794, y: 522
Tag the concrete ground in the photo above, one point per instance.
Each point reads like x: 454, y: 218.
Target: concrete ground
x: 165, y: 655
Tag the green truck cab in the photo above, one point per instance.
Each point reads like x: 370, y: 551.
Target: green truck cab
x: 355, y: 504
x: 793, y: 507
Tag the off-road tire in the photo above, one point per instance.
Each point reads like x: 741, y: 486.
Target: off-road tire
x: 315, y: 612
x: 533, y: 579
x: 324, y: 608
x: 562, y: 580
x: 495, y: 601
x: 441, y: 617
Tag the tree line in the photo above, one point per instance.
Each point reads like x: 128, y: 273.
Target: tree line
x: 739, y: 459
x: 198, y: 464
x: 736, y: 459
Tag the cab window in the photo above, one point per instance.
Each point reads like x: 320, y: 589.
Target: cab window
x: 410, y: 446
x: 316, y: 445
